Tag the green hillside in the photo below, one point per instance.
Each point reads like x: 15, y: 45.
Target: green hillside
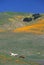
x: 29, y: 45
x: 15, y: 20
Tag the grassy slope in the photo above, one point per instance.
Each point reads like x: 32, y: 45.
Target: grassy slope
x: 25, y: 44
x: 10, y: 21
x: 28, y: 44
x: 37, y: 28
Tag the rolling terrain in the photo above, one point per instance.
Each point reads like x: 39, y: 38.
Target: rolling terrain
x: 23, y: 37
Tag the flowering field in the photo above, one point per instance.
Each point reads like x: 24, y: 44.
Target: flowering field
x: 26, y: 38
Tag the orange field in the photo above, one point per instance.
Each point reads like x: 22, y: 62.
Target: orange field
x: 1, y: 30
x: 37, y: 28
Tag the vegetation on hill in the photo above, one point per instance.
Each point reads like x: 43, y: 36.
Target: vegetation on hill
x: 10, y: 21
